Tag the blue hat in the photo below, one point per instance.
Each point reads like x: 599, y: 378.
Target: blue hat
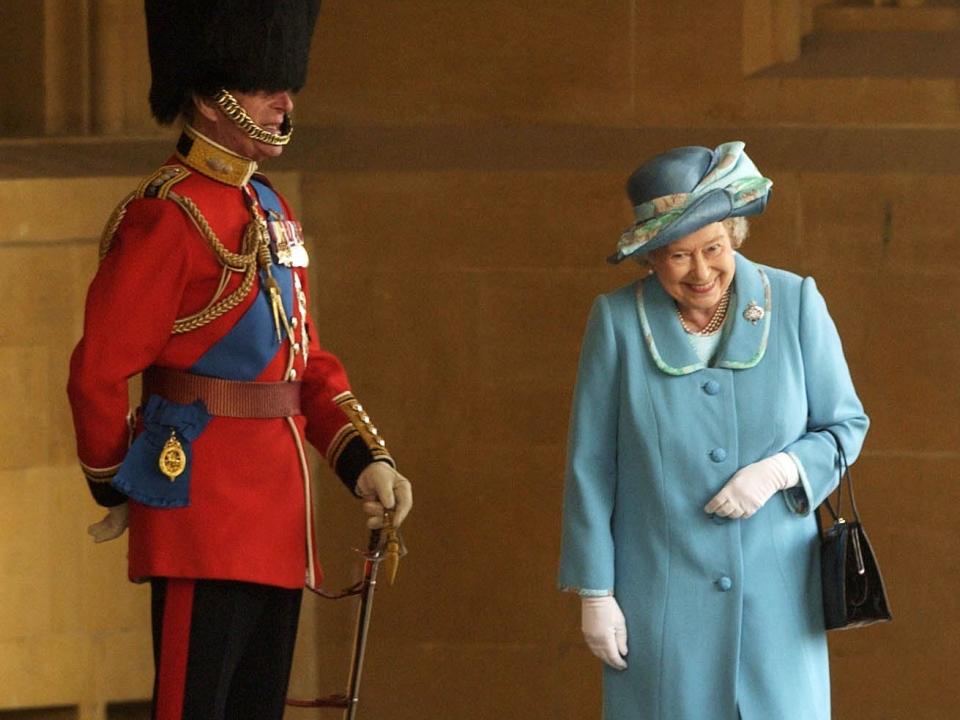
x: 685, y: 189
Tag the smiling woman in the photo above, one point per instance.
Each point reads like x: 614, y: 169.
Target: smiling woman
x: 696, y: 271
x: 704, y: 390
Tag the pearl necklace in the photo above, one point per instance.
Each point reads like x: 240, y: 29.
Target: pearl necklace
x: 719, y: 315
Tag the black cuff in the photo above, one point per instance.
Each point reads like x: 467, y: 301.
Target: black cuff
x: 105, y: 494
x: 354, y: 457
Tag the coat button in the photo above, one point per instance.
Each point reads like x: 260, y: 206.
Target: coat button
x: 718, y: 455
x: 711, y: 387
x: 718, y: 519
x: 723, y: 583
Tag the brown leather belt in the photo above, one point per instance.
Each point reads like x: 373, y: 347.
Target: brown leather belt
x: 227, y: 398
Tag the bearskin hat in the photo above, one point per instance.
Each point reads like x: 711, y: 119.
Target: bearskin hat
x: 202, y: 46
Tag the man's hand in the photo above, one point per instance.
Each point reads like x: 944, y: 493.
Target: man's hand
x: 383, y: 488
x: 750, y: 487
x: 112, y: 525
x: 605, y: 629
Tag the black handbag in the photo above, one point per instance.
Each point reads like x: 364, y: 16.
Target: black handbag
x: 853, y: 591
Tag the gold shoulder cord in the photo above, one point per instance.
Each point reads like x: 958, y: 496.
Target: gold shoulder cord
x: 232, y: 262
x: 116, y: 217
x: 160, y: 185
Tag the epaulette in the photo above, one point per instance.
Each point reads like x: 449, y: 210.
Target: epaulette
x: 157, y: 185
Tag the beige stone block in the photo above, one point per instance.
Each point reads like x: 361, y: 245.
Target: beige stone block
x: 122, y: 664
x: 921, y: 240
x: 866, y: 100
x: 43, y: 670
x: 669, y: 89
x: 39, y: 281
x: 906, y: 501
x: 906, y: 379
x: 76, y: 631
x: 82, y: 206
x: 471, y: 512
x: 851, y: 297
x: 119, y: 69
x: 931, y: 19
x: 21, y: 96
x: 463, y: 219
x: 25, y: 406
x: 40, y: 555
x: 434, y: 62
x: 846, y: 219
x: 771, y: 33
x: 479, y: 680
x: 776, y: 236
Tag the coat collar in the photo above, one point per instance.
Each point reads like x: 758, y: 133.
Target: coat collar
x: 202, y: 154
x: 744, y: 342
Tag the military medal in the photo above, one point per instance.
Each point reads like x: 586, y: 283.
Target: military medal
x: 754, y: 313
x: 286, y: 240
x: 173, y: 460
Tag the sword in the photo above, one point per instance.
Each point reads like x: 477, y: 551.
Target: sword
x: 384, y: 545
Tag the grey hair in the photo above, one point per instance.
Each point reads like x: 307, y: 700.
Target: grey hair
x: 738, y: 228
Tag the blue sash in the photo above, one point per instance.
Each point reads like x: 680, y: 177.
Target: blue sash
x: 242, y: 354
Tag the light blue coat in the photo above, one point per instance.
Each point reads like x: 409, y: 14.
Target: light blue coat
x: 721, y: 615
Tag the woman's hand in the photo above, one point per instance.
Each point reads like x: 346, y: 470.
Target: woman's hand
x: 750, y: 487
x: 383, y: 488
x: 605, y: 629
x: 112, y: 525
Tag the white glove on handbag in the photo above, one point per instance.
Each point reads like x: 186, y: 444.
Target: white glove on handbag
x: 605, y: 629
x: 384, y: 488
x: 112, y: 525
x: 750, y: 487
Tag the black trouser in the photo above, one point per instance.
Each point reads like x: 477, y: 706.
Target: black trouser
x: 222, y: 650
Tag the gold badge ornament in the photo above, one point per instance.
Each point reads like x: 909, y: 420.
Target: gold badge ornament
x: 173, y: 460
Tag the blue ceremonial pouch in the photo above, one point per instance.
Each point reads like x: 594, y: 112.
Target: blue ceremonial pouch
x: 168, y: 431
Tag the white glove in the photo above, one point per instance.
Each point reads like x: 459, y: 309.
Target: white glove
x: 112, y: 525
x: 750, y: 487
x: 384, y: 488
x: 605, y: 629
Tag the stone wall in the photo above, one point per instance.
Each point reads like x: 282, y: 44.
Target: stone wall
x: 459, y: 168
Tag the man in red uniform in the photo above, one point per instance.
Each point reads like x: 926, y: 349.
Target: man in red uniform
x: 202, y: 288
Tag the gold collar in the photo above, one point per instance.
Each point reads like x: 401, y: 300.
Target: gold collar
x: 205, y: 156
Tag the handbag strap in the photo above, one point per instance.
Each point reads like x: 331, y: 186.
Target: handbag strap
x: 844, y: 471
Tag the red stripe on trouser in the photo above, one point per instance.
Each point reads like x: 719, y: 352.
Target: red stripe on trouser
x: 174, y: 648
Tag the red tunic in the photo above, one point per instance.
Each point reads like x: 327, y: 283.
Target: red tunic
x: 248, y: 517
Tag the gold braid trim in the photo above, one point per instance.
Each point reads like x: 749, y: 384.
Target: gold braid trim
x: 234, y: 261
x: 218, y: 308
x: 255, y: 247
x: 245, y: 262
x: 157, y: 185
x: 116, y: 217
x: 361, y: 422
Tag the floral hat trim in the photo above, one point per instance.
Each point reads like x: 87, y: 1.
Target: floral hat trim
x: 734, y: 173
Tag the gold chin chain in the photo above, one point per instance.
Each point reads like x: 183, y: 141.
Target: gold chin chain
x: 232, y: 109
